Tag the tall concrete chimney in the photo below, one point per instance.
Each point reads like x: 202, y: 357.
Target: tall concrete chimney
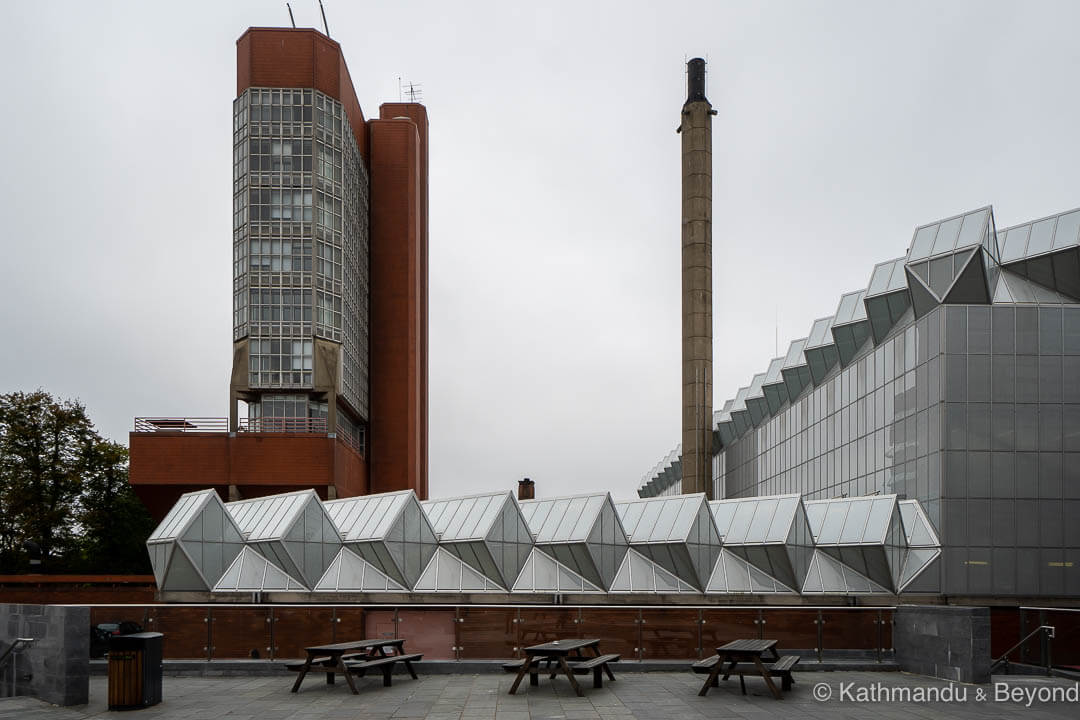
x: 696, y: 130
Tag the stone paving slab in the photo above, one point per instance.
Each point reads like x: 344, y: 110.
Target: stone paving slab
x: 645, y: 696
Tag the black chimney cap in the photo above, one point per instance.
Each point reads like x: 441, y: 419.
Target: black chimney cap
x: 695, y: 81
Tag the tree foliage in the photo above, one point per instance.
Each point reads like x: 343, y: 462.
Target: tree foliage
x: 64, y: 494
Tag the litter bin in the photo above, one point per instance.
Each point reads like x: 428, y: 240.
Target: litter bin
x: 134, y: 670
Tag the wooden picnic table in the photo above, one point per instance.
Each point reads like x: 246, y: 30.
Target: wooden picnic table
x: 751, y: 651
x: 331, y: 658
x: 567, y: 656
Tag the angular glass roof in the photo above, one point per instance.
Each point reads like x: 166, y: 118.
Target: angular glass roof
x: 755, y: 520
x: 194, y: 544
x: 918, y: 530
x: 858, y: 520
x: 795, y: 370
x: 465, y: 518
x: 565, y: 519
x: 820, y: 351
x: 1014, y: 289
x: 947, y: 236
x: 271, y: 517
x: 447, y: 573
x: 888, y: 277
x: 367, y: 517
x: 663, y: 519
x: 543, y: 573
x: 251, y: 572
x: 181, y: 514
x: 734, y: 575
x: 829, y: 576
x: 1051, y: 234
x: 851, y: 308
x: 351, y: 573
x: 639, y: 574
x: 916, y: 560
x: 819, y: 333
x: 774, y: 387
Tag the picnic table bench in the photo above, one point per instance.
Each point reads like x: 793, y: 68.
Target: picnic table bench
x: 744, y: 657
x: 354, y: 658
x: 563, y: 656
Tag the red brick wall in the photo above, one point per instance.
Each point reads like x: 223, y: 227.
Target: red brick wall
x: 298, y: 58
x: 418, y: 114
x: 68, y: 589
x: 395, y: 439
x: 166, y: 465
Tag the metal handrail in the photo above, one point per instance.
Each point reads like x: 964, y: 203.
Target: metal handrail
x: 283, y: 425
x: 1004, y: 659
x: 14, y: 646
x: 10, y: 654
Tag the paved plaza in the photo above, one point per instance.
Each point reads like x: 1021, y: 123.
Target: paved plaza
x: 647, y: 696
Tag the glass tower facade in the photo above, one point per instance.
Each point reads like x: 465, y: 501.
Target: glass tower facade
x: 952, y: 379
x: 300, y: 258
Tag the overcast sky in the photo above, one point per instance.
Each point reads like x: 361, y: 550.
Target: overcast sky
x: 554, y: 195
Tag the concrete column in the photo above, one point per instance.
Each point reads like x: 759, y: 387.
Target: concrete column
x: 696, y: 130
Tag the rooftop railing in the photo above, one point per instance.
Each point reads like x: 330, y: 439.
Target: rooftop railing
x: 182, y: 424
x: 303, y: 425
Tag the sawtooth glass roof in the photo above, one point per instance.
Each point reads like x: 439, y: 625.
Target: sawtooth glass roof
x: 770, y: 533
x: 676, y: 532
x: 544, y: 574
x: 251, y: 572
x: 292, y: 530
x: 581, y: 532
x: 351, y: 573
x: 961, y: 259
x: 389, y: 530
x: 194, y: 544
x: 487, y: 532
x: 775, y: 544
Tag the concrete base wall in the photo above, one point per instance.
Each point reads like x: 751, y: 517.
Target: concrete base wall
x: 56, y: 667
x: 948, y: 642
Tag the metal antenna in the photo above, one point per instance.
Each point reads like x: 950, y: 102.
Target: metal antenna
x: 325, y: 26
x: 415, y: 93
x: 291, y: 18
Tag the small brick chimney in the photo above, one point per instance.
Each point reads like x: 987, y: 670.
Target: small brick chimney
x: 526, y: 489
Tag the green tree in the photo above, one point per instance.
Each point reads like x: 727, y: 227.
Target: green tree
x: 42, y: 441
x: 114, y: 522
x: 64, y: 489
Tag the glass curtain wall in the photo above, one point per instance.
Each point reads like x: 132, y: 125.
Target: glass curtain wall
x: 300, y: 239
